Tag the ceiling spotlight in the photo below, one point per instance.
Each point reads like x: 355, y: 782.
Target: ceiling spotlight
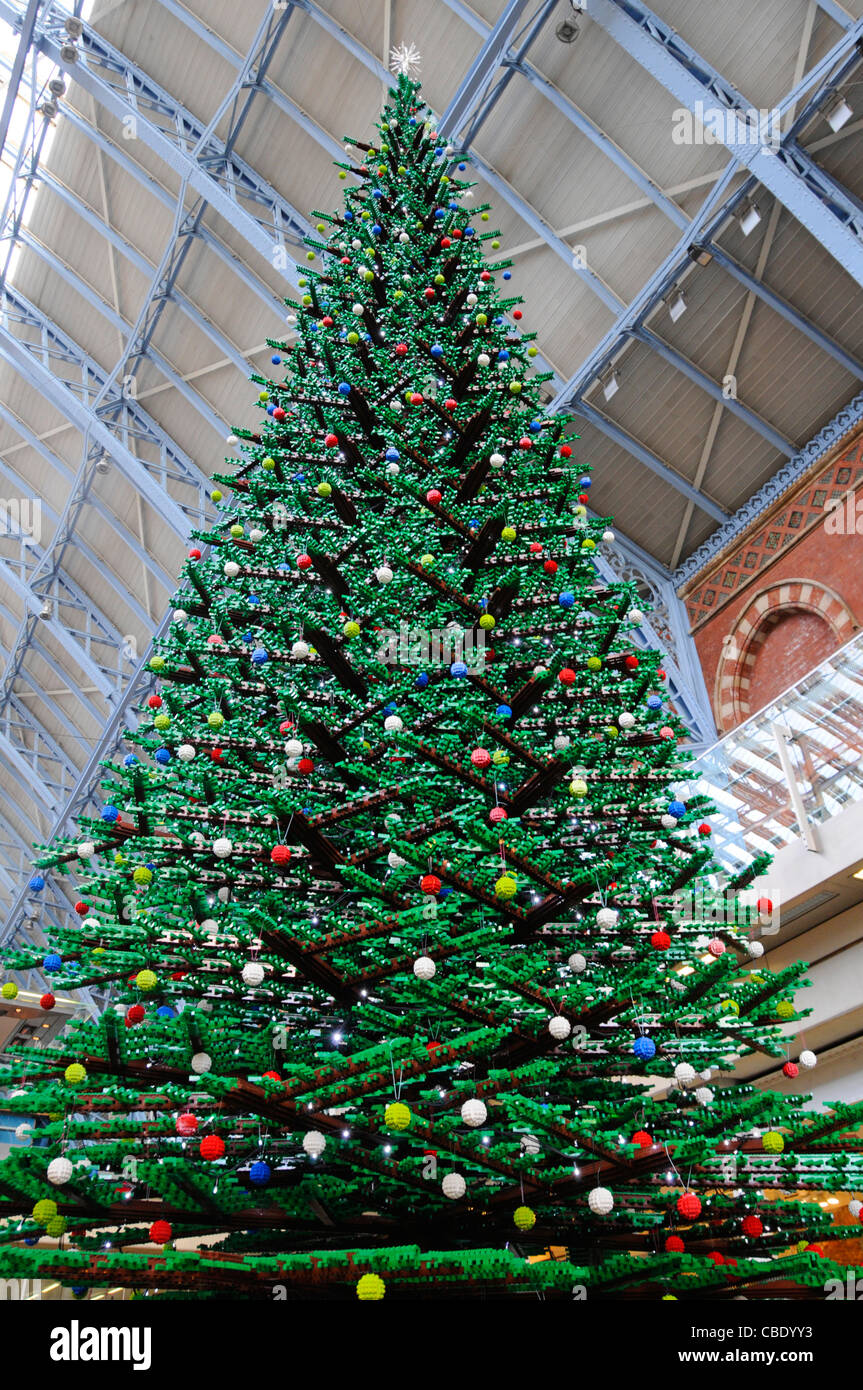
x: 69, y: 53
x: 567, y: 30
x: 102, y: 463
x: 700, y: 255
x: 610, y: 385
x: 49, y: 109
x: 749, y: 218
x: 57, y: 87
x: 676, y: 305
x: 74, y: 27
x: 838, y: 113
x: 46, y: 611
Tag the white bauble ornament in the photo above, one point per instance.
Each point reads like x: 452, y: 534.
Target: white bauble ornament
x: 607, y: 917
x: 755, y: 949
x: 559, y: 1027
x: 223, y: 847
x: 497, y: 460
x: 471, y: 299
x: 22, y: 1131
x: 424, y: 968
x: 577, y: 962
x: 202, y: 1061
x: 608, y: 537
x: 231, y: 439
x: 403, y: 237
x: 474, y: 1113
x: 483, y: 359
x: 293, y: 748
x: 231, y: 569
x: 180, y: 615
x: 91, y: 924
x: 383, y: 574
x: 704, y: 1095
x: 357, y: 310
x: 255, y: 536
x: 210, y: 926
x: 561, y: 742
x: 454, y: 1186
x: 120, y: 1010
x: 314, y: 1143
x: 854, y: 1206
x: 185, y: 752
x: 394, y: 860
x: 253, y: 973
x: 86, y: 849
x: 205, y: 1006
x: 393, y: 724
x: 59, y: 1171
x: 393, y: 468
x: 600, y: 1201
x: 684, y: 1074
x: 299, y: 651
x: 626, y: 720
x: 529, y: 1144
x: 223, y: 894
x: 807, y: 1058
x: 635, y: 615
x: 669, y: 822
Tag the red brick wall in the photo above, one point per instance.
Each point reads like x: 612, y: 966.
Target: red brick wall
x: 788, y: 595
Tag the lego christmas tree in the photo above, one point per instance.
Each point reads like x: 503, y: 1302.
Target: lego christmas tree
x: 386, y: 893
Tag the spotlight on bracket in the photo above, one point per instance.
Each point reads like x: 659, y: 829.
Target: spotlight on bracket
x: 838, y: 113
x: 676, y: 305
x: 610, y: 385
x: 749, y: 218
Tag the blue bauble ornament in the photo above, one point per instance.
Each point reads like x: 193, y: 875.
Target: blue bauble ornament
x: 344, y: 388
x: 110, y: 814
x: 421, y: 681
x: 52, y: 961
x: 644, y: 1049
x: 259, y: 656
x: 654, y: 702
x: 130, y: 760
x: 566, y: 599
x: 37, y: 883
x: 458, y: 670
x: 677, y: 809
x: 503, y: 712
x: 163, y: 755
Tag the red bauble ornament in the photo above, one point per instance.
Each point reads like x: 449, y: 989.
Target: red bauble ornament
x: 660, y: 941
x: 566, y: 676
x: 535, y: 548
x: 194, y: 553
x: 433, y: 496
x: 305, y: 766
x: 429, y: 293
x: 752, y: 1225
x: 485, y: 277
x: 584, y: 498
x: 160, y: 1232
x: 817, y: 1250
x: 178, y: 974
x: 480, y: 757
x: 279, y: 413
x: 704, y: 829
x: 135, y: 1014
x: 565, y: 451
x: 674, y: 1245
x: 716, y: 1256
x: 765, y: 906
x: 154, y: 701
x: 525, y: 443
x: 280, y: 854
x: 416, y: 398
x: 47, y: 1001
x: 716, y: 947
x: 430, y: 883
x: 286, y: 726
x: 450, y: 404
x: 642, y: 1139
x: 456, y: 232
x: 689, y: 1206
x: 432, y: 1047
x: 216, y: 755
x: 445, y: 241
x: 631, y: 662
x: 550, y: 566
x: 660, y: 673
x: 326, y: 320
x: 212, y: 1147
x: 517, y: 314
x: 401, y: 349
x: 496, y: 815
x: 331, y: 441
x: 304, y: 562
x: 272, y: 1076
x: 790, y: 1069
x: 82, y: 909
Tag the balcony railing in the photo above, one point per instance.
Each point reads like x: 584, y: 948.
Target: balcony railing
x: 794, y: 764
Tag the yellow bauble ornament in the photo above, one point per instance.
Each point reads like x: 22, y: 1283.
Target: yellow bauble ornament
x: 729, y: 1006
x: 268, y: 463
x: 506, y: 887
x: 508, y: 533
x: 324, y: 490
x: 142, y: 874
x: 772, y: 1142
x: 785, y: 1008
x: 578, y: 787
x: 44, y: 1210
x: 351, y: 629
x: 145, y: 980
x: 371, y: 1288
x: 524, y: 1218
x: 162, y: 721
x: 75, y: 1074
x: 487, y: 622
x: 593, y: 663
x: 55, y: 1226
x: 397, y: 1115
x: 216, y: 719
x: 9, y: 990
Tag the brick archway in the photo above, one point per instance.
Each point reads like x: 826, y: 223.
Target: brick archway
x: 740, y: 648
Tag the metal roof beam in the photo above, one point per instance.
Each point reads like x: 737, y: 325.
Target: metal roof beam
x: 474, y: 86
x: 825, y: 209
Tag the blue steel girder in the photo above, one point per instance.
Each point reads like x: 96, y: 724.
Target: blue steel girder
x: 40, y: 351
x: 197, y: 156
x: 516, y: 63
x: 828, y: 211
x: 473, y: 89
